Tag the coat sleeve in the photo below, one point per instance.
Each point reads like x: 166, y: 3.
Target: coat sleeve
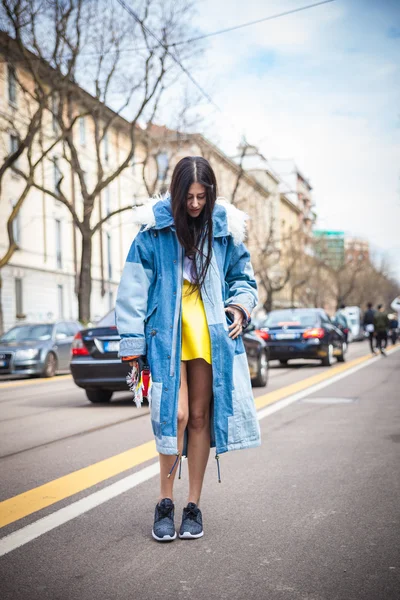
x: 240, y: 279
x: 132, y: 296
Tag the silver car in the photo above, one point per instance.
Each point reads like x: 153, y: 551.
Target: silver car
x: 37, y: 348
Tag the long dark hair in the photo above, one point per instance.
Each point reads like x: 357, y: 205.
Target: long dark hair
x: 194, y: 234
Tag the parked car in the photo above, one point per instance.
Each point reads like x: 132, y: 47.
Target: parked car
x: 341, y: 322
x: 96, y: 368
x: 257, y: 352
x: 37, y: 348
x: 354, y: 318
x: 303, y: 333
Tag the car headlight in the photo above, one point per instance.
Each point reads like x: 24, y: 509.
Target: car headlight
x: 27, y: 354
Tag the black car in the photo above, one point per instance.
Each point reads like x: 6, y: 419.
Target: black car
x: 340, y: 321
x: 303, y: 333
x: 96, y: 368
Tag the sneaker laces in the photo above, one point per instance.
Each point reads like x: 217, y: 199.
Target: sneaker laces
x: 164, y: 511
x: 191, y: 511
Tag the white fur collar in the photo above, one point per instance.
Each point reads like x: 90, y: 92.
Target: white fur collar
x: 144, y: 215
x: 236, y: 219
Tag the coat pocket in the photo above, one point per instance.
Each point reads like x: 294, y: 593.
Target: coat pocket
x: 150, y: 313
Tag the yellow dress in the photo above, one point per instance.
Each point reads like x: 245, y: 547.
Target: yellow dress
x: 196, y: 341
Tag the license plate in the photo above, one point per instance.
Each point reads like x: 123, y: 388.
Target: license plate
x: 3, y: 363
x: 111, y: 346
x: 285, y: 336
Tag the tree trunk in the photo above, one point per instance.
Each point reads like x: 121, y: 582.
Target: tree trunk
x: 1, y: 305
x: 268, y: 301
x: 85, y: 279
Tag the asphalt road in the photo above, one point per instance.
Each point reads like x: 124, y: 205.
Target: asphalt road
x: 314, y: 513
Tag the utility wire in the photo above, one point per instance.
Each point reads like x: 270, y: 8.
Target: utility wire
x: 205, y: 35
x: 249, y: 23
x: 174, y: 58
x: 132, y: 13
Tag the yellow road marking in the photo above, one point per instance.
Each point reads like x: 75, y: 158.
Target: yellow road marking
x: 33, y: 381
x: 33, y: 500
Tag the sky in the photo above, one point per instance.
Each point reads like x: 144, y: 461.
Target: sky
x: 321, y: 87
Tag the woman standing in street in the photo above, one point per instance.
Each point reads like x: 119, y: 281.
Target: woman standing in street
x: 186, y: 292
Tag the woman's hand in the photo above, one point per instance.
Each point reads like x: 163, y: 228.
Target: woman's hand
x: 236, y: 328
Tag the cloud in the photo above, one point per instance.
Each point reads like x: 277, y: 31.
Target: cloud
x: 322, y: 87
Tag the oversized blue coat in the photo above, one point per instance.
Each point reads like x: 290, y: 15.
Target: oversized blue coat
x: 148, y: 316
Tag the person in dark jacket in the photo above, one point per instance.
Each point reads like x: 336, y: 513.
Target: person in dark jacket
x: 368, y: 323
x: 381, y: 324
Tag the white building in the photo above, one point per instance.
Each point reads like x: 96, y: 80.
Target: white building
x: 39, y: 281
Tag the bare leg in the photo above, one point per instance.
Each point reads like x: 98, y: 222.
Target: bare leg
x: 200, y: 392
x: 166, y: 461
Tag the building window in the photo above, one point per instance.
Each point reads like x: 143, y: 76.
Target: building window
x: 162, y: 165
x: 58, y: 245
x: 110, y: 300
x: 82, y: 131
x: 109, y: 256
x: 106, y: 147
x: 107, y: 197
x: 14, y: 145
x: 12, y: 85
x: 56, y: 174
x: 60, y: 294
x: 55, y: 102
x: 19, y: 308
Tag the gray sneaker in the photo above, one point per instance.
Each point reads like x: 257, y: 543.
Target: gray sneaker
x: 192, y: 523
x: 164, y: 528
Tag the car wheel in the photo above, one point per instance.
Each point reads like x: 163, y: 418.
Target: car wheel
x: 98, y: 396
x: 342, y: 355
x: 50, y: 365
x: 283, y: 361
x: 262, y: 371
x: 328, y: 360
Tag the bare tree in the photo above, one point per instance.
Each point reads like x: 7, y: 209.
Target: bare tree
x: 244, y: 149
x: 278, y: 257
x: 375, y: 284
x: 23, y: 146
x: 87, y: 55
x: 345, y: 270
x: 162, y: 145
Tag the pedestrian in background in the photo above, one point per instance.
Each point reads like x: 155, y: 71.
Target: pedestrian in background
x: 381, y: 324
x: 368, y: 323
x: 396, y: 307
x: 186, y: 293
x: 393, y: 328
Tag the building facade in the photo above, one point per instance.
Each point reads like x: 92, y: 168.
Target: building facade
x: 41, y: 279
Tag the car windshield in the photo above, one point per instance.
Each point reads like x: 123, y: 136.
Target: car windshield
x: 28, y: 332
x: 290, y: 318
x: 108, y: 320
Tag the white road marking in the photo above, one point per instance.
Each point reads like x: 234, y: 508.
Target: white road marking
x: 38, y: 528
x: 34, y: 530
x: 269, y: 410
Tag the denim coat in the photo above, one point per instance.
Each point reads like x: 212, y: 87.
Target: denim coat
x: 148, y: 316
